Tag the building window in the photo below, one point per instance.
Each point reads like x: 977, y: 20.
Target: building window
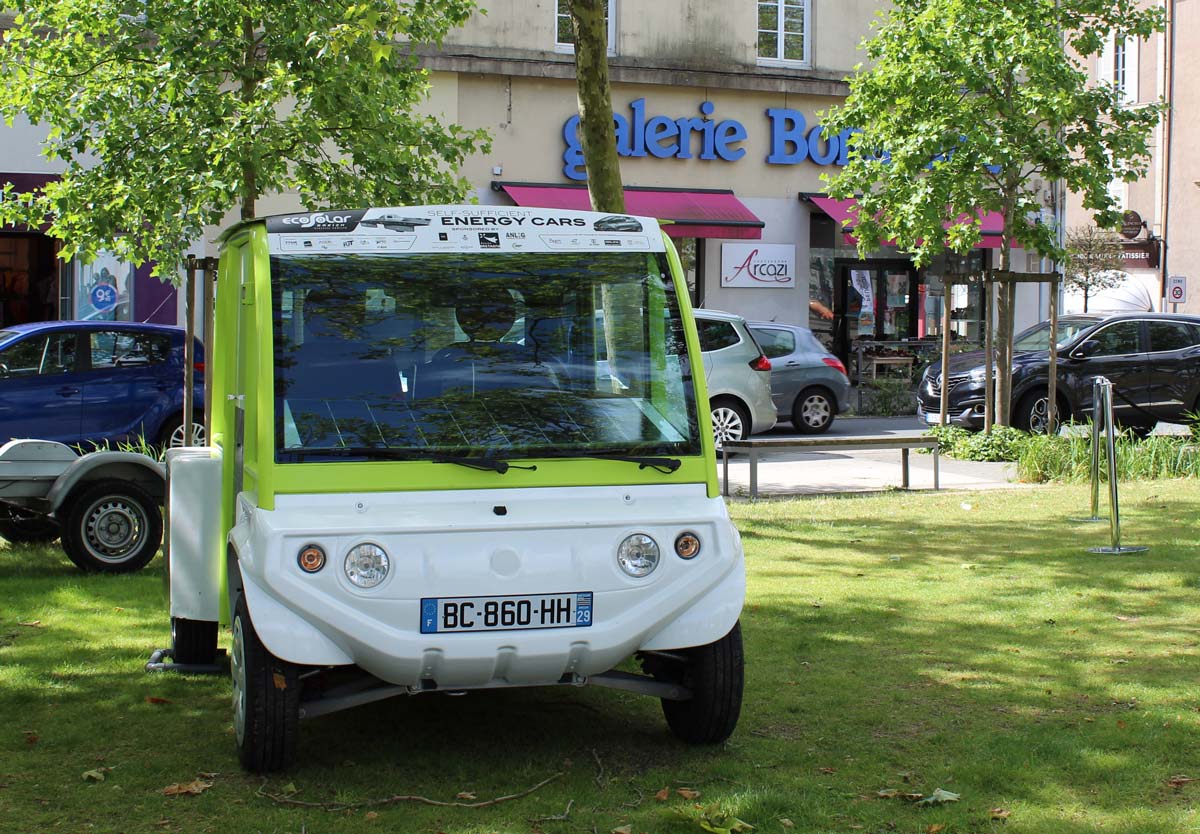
x: 564, y: 29
x: 783, y: 33
x: 1117, y: 64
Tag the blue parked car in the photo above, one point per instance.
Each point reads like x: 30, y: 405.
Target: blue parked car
x: 88, y: 383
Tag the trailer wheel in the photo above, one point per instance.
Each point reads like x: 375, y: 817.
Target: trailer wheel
x: 112, y: 527
x: 715, y: 675
x: 266, y: 699
x: 20, y: 527
x: 193, y: 641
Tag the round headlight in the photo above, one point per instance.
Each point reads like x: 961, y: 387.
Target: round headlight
x: 366, y: 565
x: 638, y: 555
x: 687, y: 545
x: 311, y: 558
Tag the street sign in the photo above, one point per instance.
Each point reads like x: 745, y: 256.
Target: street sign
x: 1177, y: 289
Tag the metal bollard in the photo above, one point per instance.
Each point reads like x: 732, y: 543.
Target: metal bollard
x: 1113, y: 503
x: 1097, y: 416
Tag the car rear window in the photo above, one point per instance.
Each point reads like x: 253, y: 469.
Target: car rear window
x: 116, y: 348
x: 774, y: 341
x: 715, y: 335
x: 1172, y: 335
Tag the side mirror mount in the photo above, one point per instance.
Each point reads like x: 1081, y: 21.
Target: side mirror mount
x: 1085, y: 349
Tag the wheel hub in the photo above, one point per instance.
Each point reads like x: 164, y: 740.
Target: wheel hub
x: 815, y: 411
x: 237, y: 665
x: 114, y: 529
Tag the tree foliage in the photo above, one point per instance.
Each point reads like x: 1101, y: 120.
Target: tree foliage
x: 168, y: 114
x: 1094, y: 261
x: 970, y: 107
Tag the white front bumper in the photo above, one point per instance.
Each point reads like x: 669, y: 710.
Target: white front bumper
x: 458, y: 544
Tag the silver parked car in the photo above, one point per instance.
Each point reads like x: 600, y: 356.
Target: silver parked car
x: 738, y: 375
x: 808, y: 383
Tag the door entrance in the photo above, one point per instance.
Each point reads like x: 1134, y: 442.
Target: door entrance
x: 28, y: 279
x: 874, y: 301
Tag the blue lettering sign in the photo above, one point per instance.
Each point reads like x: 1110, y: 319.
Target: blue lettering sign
x: 792, y: 141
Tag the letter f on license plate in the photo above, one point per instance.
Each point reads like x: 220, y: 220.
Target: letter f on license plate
x: 507, y: 613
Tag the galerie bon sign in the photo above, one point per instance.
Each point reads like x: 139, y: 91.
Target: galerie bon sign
x: 792, y: 140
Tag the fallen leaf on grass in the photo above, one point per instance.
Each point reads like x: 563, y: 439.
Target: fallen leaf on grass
x: 465, y: 795
x: 935, y: 828
x: 290, y: 788
x: 194, y: 788
x: 786, y: 823
x: 828, y: 770
x: 32, y: 624
x: 94, y: 775
x: 154, y: 699
x: 1179, y: 781
x: 31, y: 737
x: 662, y: 795
x: 717, y: 821
x: 688, y: 793
x: 370, y: 816
x: 1000, y: 813
x: 624, y: 829
x: 938, y: 797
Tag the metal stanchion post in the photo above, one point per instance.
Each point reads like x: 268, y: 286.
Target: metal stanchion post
x: 1097, y: 414
x: 1114, y: 505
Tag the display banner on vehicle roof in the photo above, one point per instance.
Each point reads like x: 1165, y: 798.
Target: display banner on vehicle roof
x: 434, y: 229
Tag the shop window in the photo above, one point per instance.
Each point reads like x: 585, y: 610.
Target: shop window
x: 564, y: 28
x: 104, y: 289
x: 783, y: 33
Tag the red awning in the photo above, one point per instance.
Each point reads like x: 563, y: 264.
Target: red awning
x: 704, y: 213
x: 991, y: 222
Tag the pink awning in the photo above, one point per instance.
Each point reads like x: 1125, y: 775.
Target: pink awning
x: 845, y: 214
x: 717, y: 214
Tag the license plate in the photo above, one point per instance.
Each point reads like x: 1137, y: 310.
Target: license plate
x: 507, y: 613
x: 930, y: 417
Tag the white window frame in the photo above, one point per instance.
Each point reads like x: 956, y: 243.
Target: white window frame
x: 806, y: 63
x: 1117, y: 64
x: 569, y: 48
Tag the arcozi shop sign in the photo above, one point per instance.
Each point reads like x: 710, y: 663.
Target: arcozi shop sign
x: 791, y: 138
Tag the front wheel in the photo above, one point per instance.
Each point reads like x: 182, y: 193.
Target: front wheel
x: 1033, y: 413
x: 715, y: 675
x: 112, y: 527
x: 730, y: 421
x: 813, y: 411
x: 266, y: 699
x: 22, y: 527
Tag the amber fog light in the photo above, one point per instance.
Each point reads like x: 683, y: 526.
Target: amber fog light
x: 311, y: 558
x: 687, y: 545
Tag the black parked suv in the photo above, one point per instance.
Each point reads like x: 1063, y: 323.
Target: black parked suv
x: 1152, y: 359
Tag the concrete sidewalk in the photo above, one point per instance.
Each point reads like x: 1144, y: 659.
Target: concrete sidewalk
x: 813, y: 473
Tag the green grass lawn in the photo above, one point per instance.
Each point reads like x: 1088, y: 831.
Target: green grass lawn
x: 899, y: 643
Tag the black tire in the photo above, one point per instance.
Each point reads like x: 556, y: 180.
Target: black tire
x: 21, y: 527
x: 266, y: 700
x: 813, y: 411
x: 730, y: 421
x: 193, y: 641
x: 1032, y: 414
x: 112, y: 527
x: 172, y: 435
x: 715, y: 675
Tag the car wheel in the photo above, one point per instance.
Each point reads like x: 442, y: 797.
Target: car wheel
x: 715, y: 675
x: 193, y: 641
x: 173, y: 435
x: 266, y: 699
x: 1033, y: 414
x: 813, y: 411
x: 112, y: 527
x: 730, y: 421
x: 21, y: 527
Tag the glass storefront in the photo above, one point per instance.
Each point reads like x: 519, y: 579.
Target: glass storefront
x: 103, y: 289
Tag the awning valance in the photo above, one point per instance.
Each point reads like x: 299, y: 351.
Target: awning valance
x: 693, y: 213
x: 991, y: 222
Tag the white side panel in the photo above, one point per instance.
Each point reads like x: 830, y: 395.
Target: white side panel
x: 194, y: 543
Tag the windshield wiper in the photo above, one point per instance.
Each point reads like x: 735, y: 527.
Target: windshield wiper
x: 664, y: 465
x: 483, y: 464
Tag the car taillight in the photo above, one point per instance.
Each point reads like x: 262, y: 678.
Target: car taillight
x: 835, y: 363
x: 762, y: 363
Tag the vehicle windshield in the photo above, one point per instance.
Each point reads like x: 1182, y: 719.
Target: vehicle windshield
x: 1038, y: 336
x: 505, y: 355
